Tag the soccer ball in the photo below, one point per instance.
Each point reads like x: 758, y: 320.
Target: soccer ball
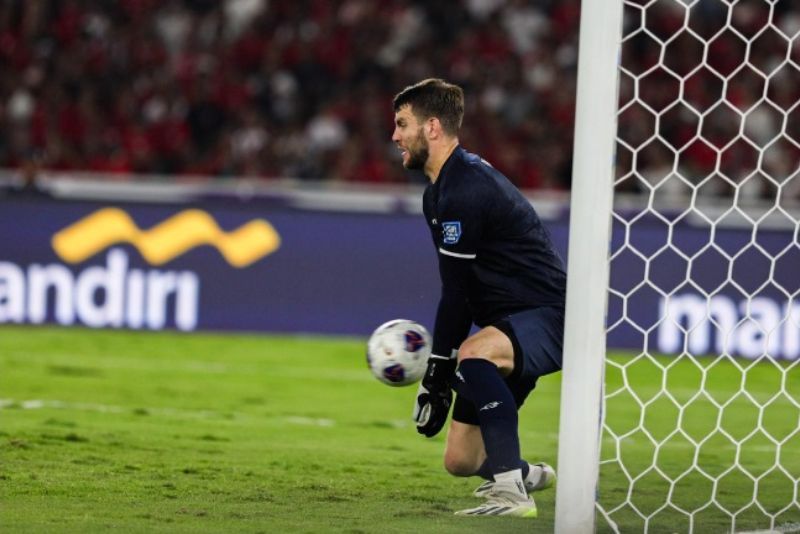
x: 398, y: 351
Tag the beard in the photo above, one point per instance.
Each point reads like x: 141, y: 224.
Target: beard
x: 418, y: 155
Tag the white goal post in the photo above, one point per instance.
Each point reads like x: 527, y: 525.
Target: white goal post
x: 587, y: 276
x: 684, y: 249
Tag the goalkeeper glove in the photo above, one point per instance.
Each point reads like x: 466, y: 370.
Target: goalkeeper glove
x: 434, y: 395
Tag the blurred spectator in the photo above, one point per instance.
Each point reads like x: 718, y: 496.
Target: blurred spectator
x: 302, y: 88
x: 721, y: 102
x: 28, y: 185
x: 271, y: 88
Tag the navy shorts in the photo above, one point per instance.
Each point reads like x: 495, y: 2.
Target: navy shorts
x: 537, y: 336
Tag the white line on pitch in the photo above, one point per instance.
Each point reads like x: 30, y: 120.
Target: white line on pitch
x: 781, y: 529
x: 39, y: 404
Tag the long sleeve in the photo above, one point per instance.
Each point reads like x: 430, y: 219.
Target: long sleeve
x: 453, y: 317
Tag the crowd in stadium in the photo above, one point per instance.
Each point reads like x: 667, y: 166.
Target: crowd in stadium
x: 290, y: 88
x: 280, y: 87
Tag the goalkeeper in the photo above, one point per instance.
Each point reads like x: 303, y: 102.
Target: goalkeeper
x: 498, y: 270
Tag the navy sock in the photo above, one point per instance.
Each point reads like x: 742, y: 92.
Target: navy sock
x: 497, y: 413
x: 485, y: 470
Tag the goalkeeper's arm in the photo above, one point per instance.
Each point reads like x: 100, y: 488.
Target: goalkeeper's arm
x: 434, y: 395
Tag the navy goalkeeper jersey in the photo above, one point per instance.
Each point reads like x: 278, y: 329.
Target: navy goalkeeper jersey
x: 495, y: 256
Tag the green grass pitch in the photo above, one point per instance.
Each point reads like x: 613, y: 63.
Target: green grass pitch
x: 166, y: 432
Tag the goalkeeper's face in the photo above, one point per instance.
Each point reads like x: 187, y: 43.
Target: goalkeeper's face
x: 410, y: 139
x: 415, y: 156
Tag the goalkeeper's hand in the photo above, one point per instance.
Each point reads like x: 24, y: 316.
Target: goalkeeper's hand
x: 434, y: 396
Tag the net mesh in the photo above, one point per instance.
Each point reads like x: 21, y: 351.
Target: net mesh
x: 700, y: 430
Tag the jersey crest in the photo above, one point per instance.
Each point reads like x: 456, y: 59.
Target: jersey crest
x: 452, y: 232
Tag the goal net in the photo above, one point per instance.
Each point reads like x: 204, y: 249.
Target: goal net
x: 701, y: 414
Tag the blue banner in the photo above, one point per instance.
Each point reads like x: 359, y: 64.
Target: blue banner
x: 225, y: 265
x: 701, y: 289
x: 242, y: 266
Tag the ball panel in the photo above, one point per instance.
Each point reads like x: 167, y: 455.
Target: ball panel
x: 414, y: 341
x: 394, y: 373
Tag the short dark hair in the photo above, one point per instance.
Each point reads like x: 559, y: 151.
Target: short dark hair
x: 434, y: 97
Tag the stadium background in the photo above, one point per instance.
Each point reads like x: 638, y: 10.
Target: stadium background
x: 280, y: 111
